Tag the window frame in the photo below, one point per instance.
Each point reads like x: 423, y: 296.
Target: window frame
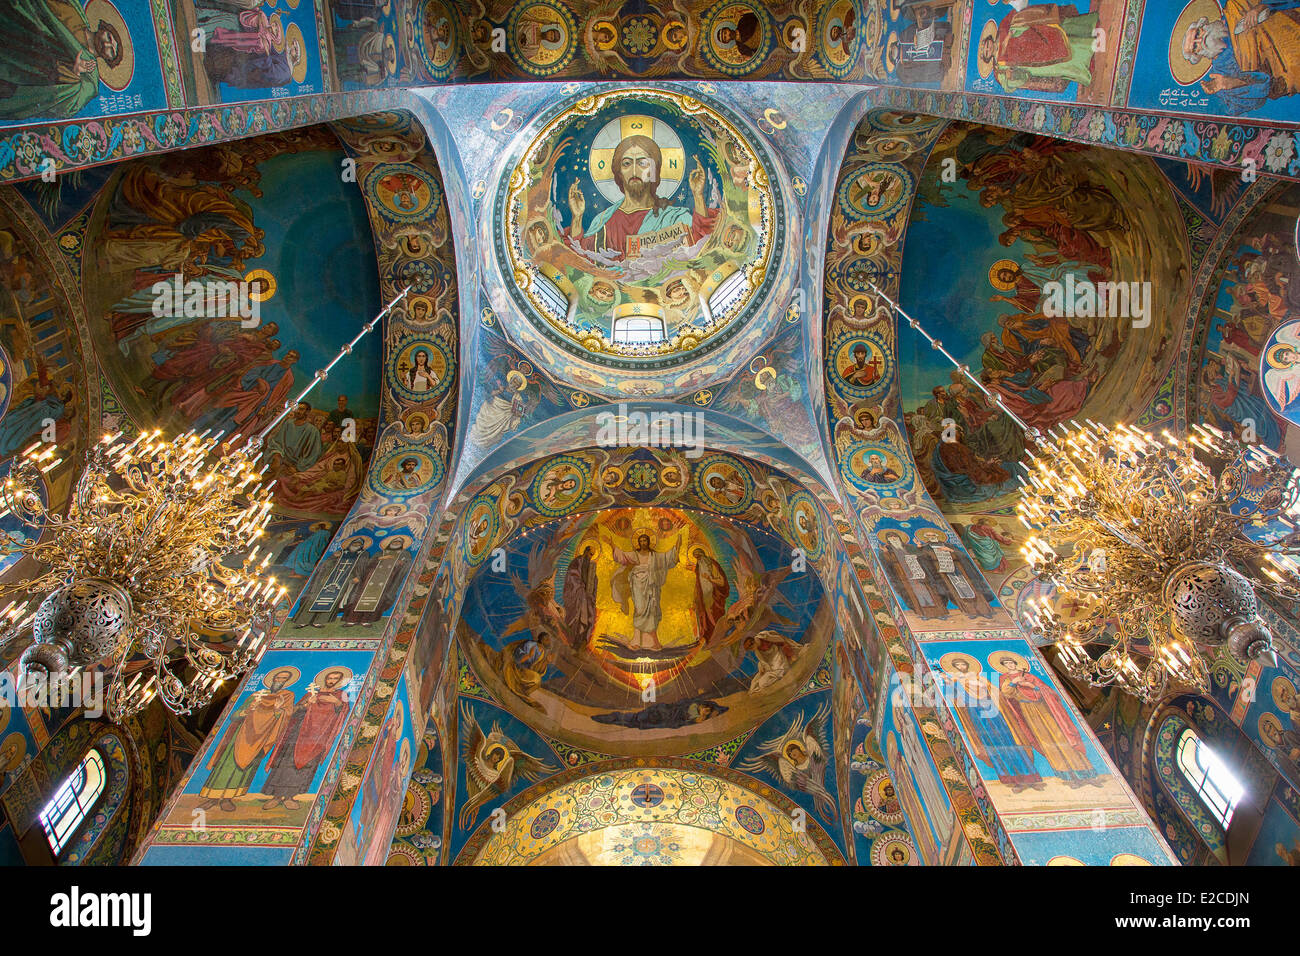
x: 75, y: 800
x: 625, y: 328
x: 1202, y: 769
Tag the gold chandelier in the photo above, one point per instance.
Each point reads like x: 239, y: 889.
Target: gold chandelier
x: 1149, y: 543
x: 143, y: 574
x: 135, y: 568
x: 1148, y: 540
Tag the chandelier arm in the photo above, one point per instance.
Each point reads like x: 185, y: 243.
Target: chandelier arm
x: 1279, y: 590
x: 994, y: 398
x: 320, y: 375
x: 1119, y: 535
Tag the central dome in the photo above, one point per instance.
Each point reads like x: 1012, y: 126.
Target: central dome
x: 639, y: 229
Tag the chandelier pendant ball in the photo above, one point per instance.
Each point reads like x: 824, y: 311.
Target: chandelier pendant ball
x: 1212, y: 605
x: 147, y: 576
x: 78, y: 624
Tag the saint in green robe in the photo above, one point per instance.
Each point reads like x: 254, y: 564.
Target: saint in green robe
x: 252, y: 734
x: 1045, y: 48
x: 40, y: 41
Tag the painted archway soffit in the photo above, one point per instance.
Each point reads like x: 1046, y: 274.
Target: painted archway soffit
x: 549, y: 824
x: 58, y: 147
x: 703, y: 427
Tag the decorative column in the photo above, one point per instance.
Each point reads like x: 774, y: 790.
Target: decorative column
x: 310, y: 760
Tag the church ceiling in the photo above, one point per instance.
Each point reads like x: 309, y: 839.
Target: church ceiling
x: 655, y: 276
x: 659, y: 660
x: 682, y: 814
x: 755, y: 194
x: 226, y: 215
x: 511, y: 640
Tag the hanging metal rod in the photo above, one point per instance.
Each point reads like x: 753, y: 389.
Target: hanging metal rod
x: 322, y: 373
x: 962, y: 367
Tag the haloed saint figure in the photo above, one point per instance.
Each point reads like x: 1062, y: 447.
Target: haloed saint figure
x: 644, y: 222
x: 53, y: 55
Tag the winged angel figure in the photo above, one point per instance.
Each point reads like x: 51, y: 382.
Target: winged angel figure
x: 798, y: 759
x: 758, y: 597
x: 493, y: 762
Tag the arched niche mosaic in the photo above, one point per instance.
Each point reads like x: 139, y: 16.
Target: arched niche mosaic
x: 230, y: 214
x: 43, y: 382
x: 1177, y: 787
x: 108, y: 813
x: 639, y: 230
x: 1245, y: 374
x: 767, y: 536
x: 645, y: 630
x: 1066, y: 277
x: 203, y: 273
x: 1033, y: 215
x: 678, y: 813
x: 1187, y: 819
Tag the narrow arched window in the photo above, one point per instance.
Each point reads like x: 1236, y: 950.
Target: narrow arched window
x: 1210, y: 778
x: 73, y: 801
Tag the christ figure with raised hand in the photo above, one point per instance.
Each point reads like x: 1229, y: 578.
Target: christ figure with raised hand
x: 641, y: 580
x: 637, y: 170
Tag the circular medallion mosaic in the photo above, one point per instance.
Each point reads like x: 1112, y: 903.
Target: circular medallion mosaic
x: 639, y: 229
x: 873, y: 191
x: 891, y: 122
x: 750, y: 819
x: 1279, y: 371
x: 805, y: 524
x: 417, y: 368
x: 542, y: 36
x: 403, y: 193
x: 482, y: 523
x: 737, y: 37
x: 415, y: 812
x: 881, y: 800
x: 544, y: 823
x: 861, y: 365
x: 894, y: 849
x: 874, y: 467
x: 435, y: 37
x: 405, y: 472
x: 561, y: 485
x: 839, y: 37
x: 725, y: 484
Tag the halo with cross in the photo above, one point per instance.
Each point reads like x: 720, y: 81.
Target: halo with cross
x: 600, y: 161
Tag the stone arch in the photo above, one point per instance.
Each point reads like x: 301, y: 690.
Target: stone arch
x: 749, y: 824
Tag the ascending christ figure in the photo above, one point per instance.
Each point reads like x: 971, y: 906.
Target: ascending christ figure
x: 643, y: 581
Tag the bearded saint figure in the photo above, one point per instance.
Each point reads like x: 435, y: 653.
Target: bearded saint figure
x: 638, y: 163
